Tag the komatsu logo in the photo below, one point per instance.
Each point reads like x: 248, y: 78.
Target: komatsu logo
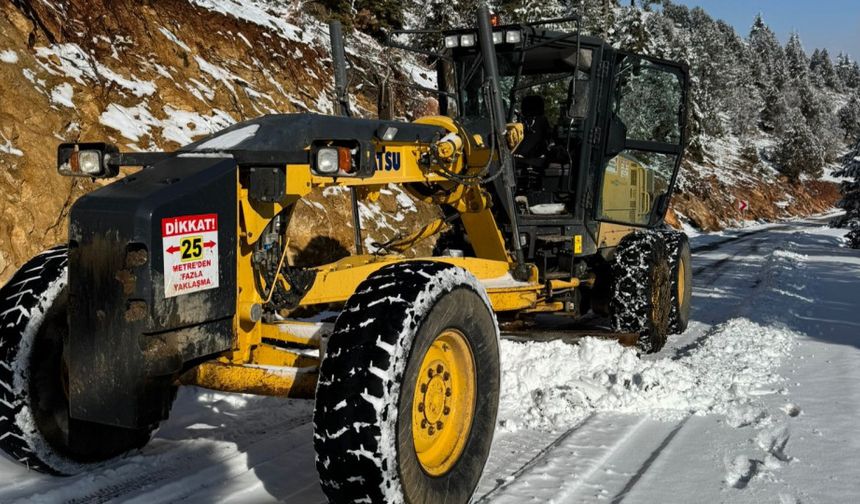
x: 388, y: 161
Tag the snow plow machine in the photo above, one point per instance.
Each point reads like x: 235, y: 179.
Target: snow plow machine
x: 553, y: 158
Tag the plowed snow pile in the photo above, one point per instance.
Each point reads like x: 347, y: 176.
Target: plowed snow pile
x: 554, y: 385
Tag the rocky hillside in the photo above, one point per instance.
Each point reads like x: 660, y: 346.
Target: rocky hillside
x: 151, y: 75
x: 709, y: 192
x: 155, y: 75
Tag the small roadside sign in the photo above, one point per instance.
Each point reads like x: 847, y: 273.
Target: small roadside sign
x: 743, y: 205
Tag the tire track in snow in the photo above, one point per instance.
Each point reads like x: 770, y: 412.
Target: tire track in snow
x: 619, y: 497
x: 179, y: 462
x: 561, y: 469
x: 541, y: 456
x: 284, y: 455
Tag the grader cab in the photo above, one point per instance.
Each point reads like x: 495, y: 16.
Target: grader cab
x: 553, y: 158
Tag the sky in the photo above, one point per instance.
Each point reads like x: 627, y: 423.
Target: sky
x: 832, y: 24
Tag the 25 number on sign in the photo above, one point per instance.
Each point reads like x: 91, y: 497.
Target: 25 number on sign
x: 192, y: 248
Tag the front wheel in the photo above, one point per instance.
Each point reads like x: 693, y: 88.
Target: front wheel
x: 409, y: 388
x: 35, y: 426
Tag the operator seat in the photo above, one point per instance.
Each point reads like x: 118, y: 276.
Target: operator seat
x: 531, y: 155
x: 536, y: 128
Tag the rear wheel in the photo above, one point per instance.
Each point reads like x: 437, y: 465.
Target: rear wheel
x: 408, y: 389
x: 35, y: 426
x: 642, y: 289
x: 681, y: 273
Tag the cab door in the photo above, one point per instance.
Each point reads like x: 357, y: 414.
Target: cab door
x: 644, y: 143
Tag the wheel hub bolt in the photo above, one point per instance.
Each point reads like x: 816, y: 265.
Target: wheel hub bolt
x: 446, y: 376
x: 430, y: 373
x: 431, y: 430
x: 447, y: 392
x: 446, y: 411
x: 421, y: 407
x: 423, y: 424
x: 439, y: 425
x: 423, y: 388
x: 439, y: 368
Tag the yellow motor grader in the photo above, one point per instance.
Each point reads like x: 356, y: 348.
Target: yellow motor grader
x: 553, y: 158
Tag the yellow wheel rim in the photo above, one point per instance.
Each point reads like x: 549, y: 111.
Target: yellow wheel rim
x: 444, y: 402
x: 682, y: 280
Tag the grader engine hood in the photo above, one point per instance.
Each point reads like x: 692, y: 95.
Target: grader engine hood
x: 151, y: 284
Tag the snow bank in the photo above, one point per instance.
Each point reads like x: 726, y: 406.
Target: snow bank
x: 554, y: 385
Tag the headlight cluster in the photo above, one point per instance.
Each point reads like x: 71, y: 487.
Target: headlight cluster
x: 470, y: 39
x: 85, y: 160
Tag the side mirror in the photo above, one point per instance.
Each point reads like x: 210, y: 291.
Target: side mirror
x: 616, y: 140
x: 661, y: 206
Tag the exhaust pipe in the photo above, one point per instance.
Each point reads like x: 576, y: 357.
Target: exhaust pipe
x: 339, y: 60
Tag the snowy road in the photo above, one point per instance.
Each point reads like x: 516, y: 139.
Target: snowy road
x: 756, y: 402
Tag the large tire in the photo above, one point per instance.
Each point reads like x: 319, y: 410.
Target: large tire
x: 641, y: 289
x: 383, y: 377
x: 681, y: 271
x: 35, y: 427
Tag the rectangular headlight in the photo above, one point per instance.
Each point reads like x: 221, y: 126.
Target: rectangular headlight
x: 327, y: 160
x: 452, y: 41
x: 90, y: 162
x: 467, y: 40
x: 513, y: 37
x: 498, y: 37
x: 86, y: 160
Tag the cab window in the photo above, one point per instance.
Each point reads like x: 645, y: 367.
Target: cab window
x: 649, y: 103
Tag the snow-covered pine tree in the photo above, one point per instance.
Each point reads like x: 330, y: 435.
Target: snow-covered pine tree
x: 713, y: 76
x: 850, y: 201
x: 821, y: 67
x: 443, y: 15
x: 633, y: 34
x: 796, y: 60
x: 774, y: 110
x: 370, y: 16
x: 849, y: 117
x: 799, y: 150
x: 769, y: 65
x: 598, y: 17
x: 818, y: 113
x: 848, y: 71
x: 530, y: 10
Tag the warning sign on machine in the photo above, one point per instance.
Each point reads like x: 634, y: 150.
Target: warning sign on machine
x: 190, y: 245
